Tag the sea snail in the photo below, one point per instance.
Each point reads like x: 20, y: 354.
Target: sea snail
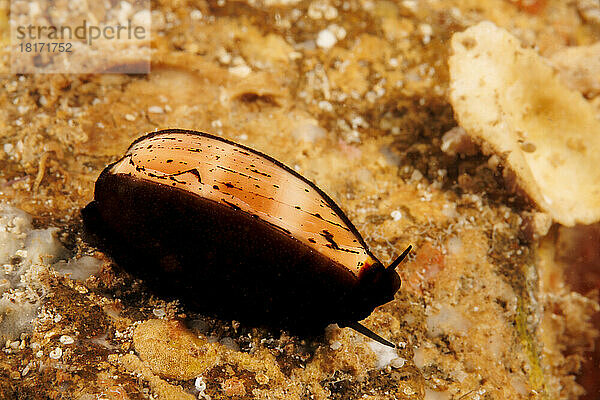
x: 236, y: 233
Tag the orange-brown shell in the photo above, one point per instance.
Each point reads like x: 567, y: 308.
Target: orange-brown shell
x: 244, y: 179
x: 235, y: 233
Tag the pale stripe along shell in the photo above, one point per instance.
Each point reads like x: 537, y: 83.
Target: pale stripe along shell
x: 235, y: 232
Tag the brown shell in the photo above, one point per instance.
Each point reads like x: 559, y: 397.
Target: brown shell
x: 242, y: 179
x: 236, y: 232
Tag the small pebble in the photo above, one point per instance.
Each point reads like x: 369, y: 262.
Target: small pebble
x: 159, y: 312
x: 326, y: 39
x: 56, y: 353
x: 426, y: 32
x: 196, y: 14
x: 416, y: 176
x: 156, y: 110
x: 200, y: 384
x: 64, y: 339
x: 240, y: 71
x: 397, y: 362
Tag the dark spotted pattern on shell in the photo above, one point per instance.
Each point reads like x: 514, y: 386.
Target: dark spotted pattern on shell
x: 235, y: 233
x: 245, y: 180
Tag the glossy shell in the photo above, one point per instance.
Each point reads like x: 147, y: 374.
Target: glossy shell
x: 234, y: 232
